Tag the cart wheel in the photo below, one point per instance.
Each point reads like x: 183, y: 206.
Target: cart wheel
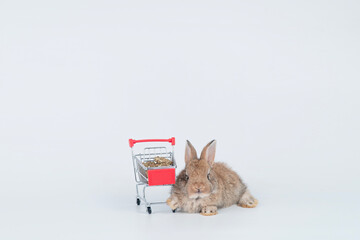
x: 149, y: 210
x: 174, y: 210
x: 138, y: 201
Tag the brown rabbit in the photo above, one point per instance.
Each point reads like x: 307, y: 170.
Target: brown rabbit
x: 204, y: 186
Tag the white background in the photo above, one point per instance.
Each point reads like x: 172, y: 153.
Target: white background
x: 276, y: 83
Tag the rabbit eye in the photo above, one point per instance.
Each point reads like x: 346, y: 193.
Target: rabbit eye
x: 208, y: 176
x: 186, y: 177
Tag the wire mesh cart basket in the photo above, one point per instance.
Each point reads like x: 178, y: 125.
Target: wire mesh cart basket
x: 150, y: 176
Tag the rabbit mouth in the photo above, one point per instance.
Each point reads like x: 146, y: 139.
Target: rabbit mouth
x: 197, y: 196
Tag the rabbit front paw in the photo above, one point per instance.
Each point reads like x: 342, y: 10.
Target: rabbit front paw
x: 209, y: 211
x: 172, y: 203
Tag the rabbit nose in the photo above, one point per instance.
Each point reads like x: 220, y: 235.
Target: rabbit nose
x: 199, y: 188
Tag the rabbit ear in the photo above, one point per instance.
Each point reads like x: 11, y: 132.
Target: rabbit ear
x: 190, y: 152
x: 208, y: 152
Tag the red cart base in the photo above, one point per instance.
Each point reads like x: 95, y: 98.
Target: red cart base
x: 161, y: 176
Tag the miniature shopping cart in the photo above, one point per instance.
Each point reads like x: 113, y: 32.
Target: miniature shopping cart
x: 152, y: 176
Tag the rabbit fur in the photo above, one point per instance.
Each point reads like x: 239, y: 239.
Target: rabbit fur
x: 204, y: 186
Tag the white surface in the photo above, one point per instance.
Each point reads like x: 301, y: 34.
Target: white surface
x: 276, y: 83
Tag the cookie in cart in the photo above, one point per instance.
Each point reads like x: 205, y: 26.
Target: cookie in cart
x: 153, y: 167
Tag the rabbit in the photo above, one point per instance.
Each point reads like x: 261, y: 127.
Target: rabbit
x: 204, y: 186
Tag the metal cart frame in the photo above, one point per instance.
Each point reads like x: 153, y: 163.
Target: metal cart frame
x: 140, y: 171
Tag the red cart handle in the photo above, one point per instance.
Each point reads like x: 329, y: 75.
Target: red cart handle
x: 133, y: 141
